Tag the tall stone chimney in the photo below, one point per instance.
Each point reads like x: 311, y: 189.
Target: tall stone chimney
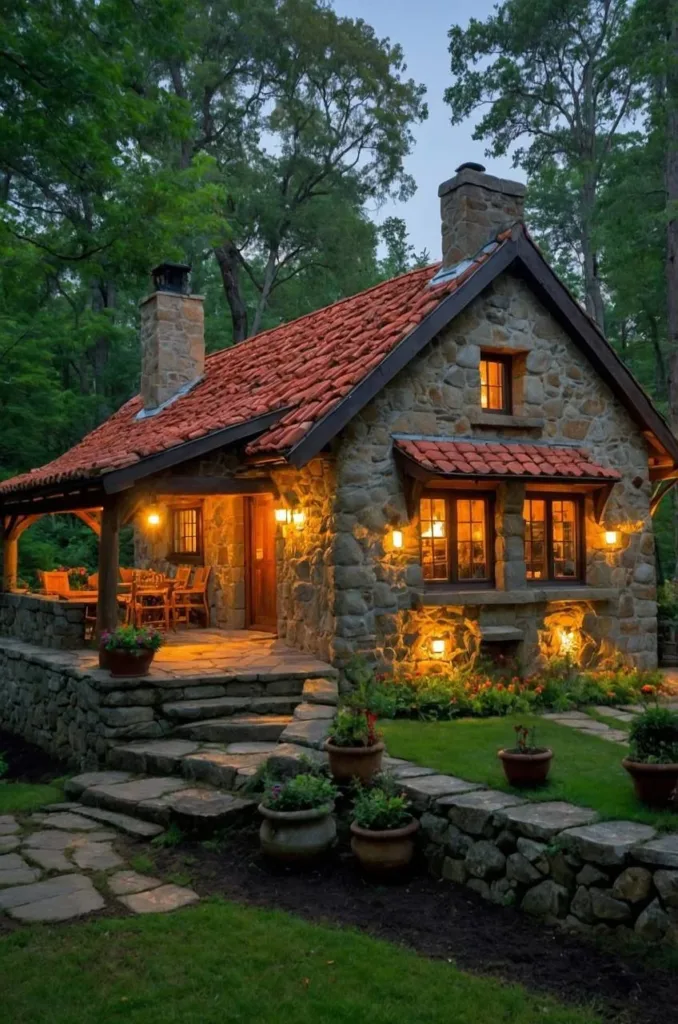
x: 172, y: 337
x: 474, y: 207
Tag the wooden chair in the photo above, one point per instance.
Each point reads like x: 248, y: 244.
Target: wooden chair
x: 150, y: 603
x: 93, y: 581
x: 182, y: 575
x: 192, y: 599
x: 126, y: 575
x: 56, y: 584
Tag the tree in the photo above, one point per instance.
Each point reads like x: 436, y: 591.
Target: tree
x: 561, y: 89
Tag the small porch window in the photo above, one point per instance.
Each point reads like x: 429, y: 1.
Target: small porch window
x: 553, y: 538
x: 455, y: 539
x: 186, y: 532
x: 495, y: 383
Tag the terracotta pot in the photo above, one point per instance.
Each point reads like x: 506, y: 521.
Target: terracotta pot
x: 297, y: 837
x: 124, y: 664
x: 347, y: 763
x: 654, y: 784
x: 385, y: 852
x: 526, y: 769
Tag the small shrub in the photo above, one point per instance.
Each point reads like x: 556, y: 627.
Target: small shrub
x: 526, y: 741
x: 381, y: 809
x: 301, y: 793
x: 667, y: 600
x: 654, y: 737
x: 172, y: 836
x: 354, y: 727
x: 133, y: 640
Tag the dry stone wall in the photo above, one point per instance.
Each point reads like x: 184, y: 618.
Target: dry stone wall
x: 42, y: 620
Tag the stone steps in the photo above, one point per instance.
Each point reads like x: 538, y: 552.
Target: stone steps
x: 240, y: 728
x: 196, y: 710
x: 160, y: 799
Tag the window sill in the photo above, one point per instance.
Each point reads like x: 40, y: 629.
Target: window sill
x: 529, y: 595
x: 505, y: 419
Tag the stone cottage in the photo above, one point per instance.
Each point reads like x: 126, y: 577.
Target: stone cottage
x: 453, y: 460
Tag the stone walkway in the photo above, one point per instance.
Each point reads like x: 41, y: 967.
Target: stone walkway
x: 583, y: 722
x: 46, y: 859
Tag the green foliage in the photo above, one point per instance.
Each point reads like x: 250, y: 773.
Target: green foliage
x: 525, y: 741
x: 379, y: 808
x: 667, y: 601
x: 132, y: 639
x: 653, y: 737
x: 301, y: 793
x: 171, y: 837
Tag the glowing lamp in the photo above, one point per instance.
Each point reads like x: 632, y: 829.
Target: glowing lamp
x: 298, y: 519
x: 611, y: 537
x: 282, y: 515
x: 437, y: 647
x: 397, y: 538
x: 153, y: 517
x: 568, y: 641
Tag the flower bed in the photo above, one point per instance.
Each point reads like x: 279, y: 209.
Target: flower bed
x: 481, y: 692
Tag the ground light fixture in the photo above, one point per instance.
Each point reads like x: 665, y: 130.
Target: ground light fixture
x: 397, y: 538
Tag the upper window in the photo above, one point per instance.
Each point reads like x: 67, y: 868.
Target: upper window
x: 187, y: 531
x: 553, y: 532
x: 455, y: 539
x: 495, y: 383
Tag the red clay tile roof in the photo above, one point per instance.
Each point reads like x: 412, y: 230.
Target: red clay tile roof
x: 501, y: 459
x: 310, y: 365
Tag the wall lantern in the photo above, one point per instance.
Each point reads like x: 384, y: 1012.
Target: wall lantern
x: 282, y: 515
x: 153, y: 516
x: 298, y: 518
x: 568, y: 641
x: 611, y: 537
x: 397, y: 538
x: 437, y: 647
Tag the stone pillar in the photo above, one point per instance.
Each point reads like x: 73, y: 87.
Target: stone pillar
x: 510, y: 536
x: 474, y: 208
x: 10, y: 562
x: 172, y: 345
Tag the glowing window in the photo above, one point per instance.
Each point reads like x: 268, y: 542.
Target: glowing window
x: 552, y: 538
x: 186, y: 531
x: 454, y: 539
x: 495, y: 383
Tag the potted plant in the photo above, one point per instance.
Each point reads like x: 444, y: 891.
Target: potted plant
x: 382, y: 830
x: 354, y: 746
x: 652, y: 761
x: 298, y: 823
x: 128, y: 651
x: 526, y: 764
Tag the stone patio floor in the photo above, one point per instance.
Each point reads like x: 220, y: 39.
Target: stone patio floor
x: 61, y: 864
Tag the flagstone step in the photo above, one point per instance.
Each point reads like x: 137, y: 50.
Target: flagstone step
x: 195, y: 710
x: 158, y: 799
x: 236, y: 728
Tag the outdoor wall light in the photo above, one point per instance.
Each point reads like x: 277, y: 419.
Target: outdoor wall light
x: 298, y: 518
x: 611, y: 537
x: 437, y: 647
x: 282, y: 515
x: 568, y: 641
x: 397, y: 538
x: 153, y: 516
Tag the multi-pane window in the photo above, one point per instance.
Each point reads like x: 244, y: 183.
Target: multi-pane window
x: 552, y: 538
x: 186, y: 531
x: 495, y: 383
x: 454, y: 539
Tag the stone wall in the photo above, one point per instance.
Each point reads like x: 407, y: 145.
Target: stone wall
x: 381, y: 604
x: 553, y: 861
x: 172, y: 345
x: 42, y: 620
x: 474, y: 207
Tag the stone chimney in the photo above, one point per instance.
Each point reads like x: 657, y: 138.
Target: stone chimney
x: 172, y: 337
x: 474, y: 207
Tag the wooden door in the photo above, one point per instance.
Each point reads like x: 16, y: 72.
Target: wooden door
x: 262, y: 612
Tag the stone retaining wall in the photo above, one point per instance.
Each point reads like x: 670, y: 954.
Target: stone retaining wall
x: 552, y: 860
x: 45, y: 621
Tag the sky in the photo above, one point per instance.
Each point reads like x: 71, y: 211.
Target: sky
x: 421, y: 27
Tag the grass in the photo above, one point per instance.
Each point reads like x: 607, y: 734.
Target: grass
x: 221, y: 962
x: 23, y: 797
x: 585, y: 770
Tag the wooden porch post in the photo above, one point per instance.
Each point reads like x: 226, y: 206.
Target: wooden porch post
x: 10, y: 560
x: 107, y: 608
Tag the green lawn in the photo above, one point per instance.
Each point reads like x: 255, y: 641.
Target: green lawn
x: 23, y: 797
x: 585, y: 770
x: 224, y: 964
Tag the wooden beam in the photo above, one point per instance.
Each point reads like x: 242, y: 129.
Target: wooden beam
x: 109, y: 542
x: 206, y: 485
x: 600, y: 498
x: 10, y: 562
x: 660, y: 493
x: 91, y: 518
x: 87, y: 500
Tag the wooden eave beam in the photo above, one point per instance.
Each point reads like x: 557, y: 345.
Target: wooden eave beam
x: 206, y: 485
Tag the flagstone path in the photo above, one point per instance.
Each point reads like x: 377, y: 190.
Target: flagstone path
x: 45, y: 859
x: 584, y: 723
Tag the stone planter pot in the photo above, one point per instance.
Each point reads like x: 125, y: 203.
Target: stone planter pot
x: 385, y: 852
x: 526, y: 769
x: 347, y: 763
x: 297, y: 837
x: 124, y: 664
x: 655, y: 784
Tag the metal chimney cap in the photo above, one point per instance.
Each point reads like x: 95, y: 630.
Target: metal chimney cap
x: 471, y: 166
x: 172, y: 277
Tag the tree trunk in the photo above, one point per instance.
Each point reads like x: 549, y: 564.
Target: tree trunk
x: 594, y: 296
x: 671, y: 182
x: 229, y: 264
x: 267, y: 287
x: 103, y: 297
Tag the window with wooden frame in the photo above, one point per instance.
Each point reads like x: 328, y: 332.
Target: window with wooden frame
x: 554, y: 532
x: 186, y: 526
x: 456, y: 540
x: 496, y: 383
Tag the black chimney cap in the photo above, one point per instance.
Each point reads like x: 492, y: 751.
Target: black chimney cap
x: 471, y: 166
x: 172, y: 277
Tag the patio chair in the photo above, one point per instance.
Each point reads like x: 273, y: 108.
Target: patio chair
x: 126, y: 575
x: 182, y: 575
x: 93, y: 581
x: 192, y: 599
x: 150, y: 603
x: 56, y: 584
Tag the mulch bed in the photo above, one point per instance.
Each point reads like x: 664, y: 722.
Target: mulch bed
x: 28, y: 763
x: 436, y: 919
